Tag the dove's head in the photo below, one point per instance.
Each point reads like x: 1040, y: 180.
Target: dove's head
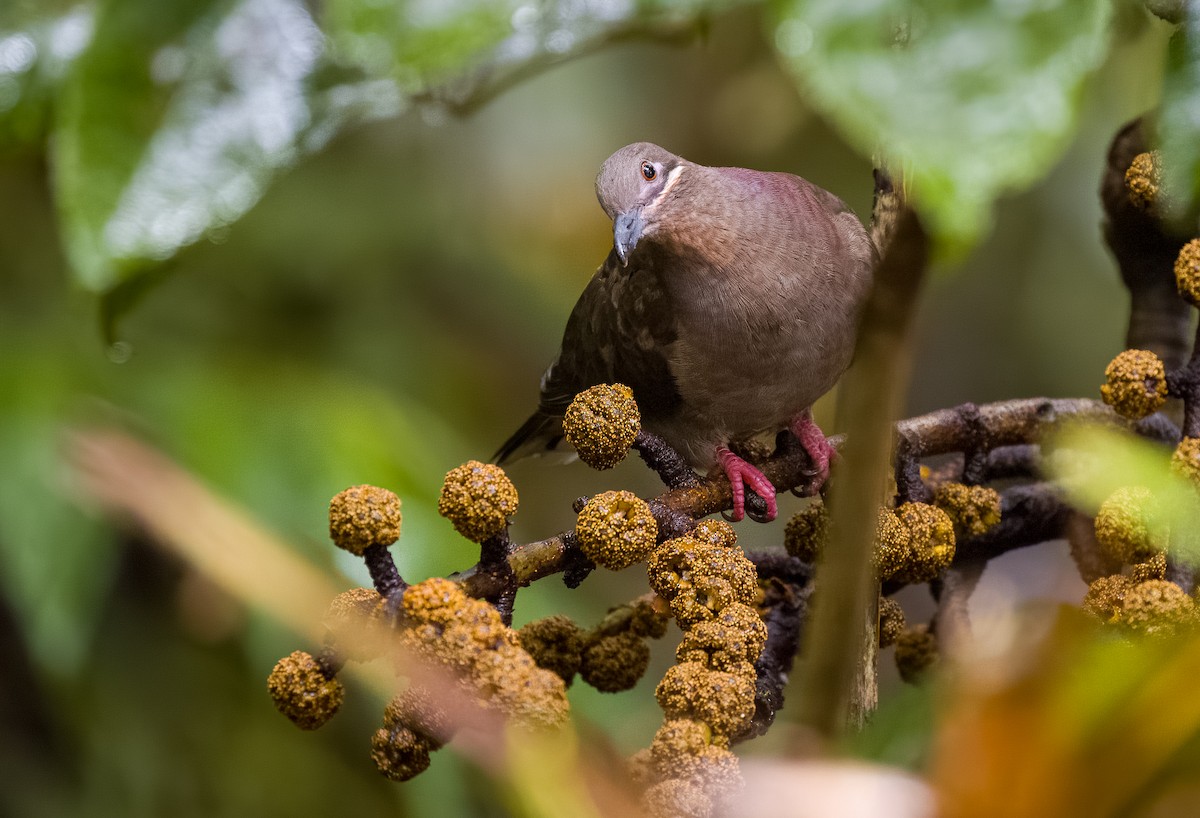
x: 635, y: 187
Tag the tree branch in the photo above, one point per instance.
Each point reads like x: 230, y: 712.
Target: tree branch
x: 1013, y: 423
x: 1145, y: 250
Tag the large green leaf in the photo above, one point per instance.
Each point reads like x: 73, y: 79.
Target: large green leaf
x: 179, y: 114
x: 970, y: 98
x: 112, y: 105
x: 177, y: 117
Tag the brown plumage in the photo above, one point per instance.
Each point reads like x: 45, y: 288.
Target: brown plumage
x: 729, y: 304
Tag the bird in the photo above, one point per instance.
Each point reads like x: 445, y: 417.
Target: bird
x: 728, y: 303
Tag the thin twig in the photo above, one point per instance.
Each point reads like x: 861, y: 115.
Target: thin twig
x: 840, y: 641
x: 475, y: 89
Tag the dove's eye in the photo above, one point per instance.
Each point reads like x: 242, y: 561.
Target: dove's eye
x: 648, y: 172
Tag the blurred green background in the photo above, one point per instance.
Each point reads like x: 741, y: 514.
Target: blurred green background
x: 380, y: 313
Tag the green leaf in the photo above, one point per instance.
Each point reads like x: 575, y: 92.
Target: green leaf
x: 179, y: 114
x: 1179, y: 122
x: 471, y: 42
x: 901, y: 731
x: 175, y: 120
x: 37, y: 44
x: 114, y: 102
x: 417, y: 43
x: 55, y: 562
x: 970, y: 98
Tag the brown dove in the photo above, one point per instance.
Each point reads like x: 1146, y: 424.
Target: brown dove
x: 729, y: 304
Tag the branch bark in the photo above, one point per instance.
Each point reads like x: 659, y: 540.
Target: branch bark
x: 1005, y: 423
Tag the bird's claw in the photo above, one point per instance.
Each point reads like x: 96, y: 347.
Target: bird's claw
x: 757, y: 508
x: 816, y: 446
x: 742, y: 474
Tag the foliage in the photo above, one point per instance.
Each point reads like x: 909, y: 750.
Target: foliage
x: 287, y: 314
x: 971, y: 99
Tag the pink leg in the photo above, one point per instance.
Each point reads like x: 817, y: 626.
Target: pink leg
x: 740, y: 473
x: 813, y: 440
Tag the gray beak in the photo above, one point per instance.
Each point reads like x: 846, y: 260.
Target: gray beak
x: 627, y: 229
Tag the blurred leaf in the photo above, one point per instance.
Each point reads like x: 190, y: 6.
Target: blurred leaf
x: 55, y: 563
x: 416, y: 42
x: 179, y: 114
x: 1080, y: 724
x: 1179, y: 121
x: 325, y: 433
x: 422, y: 44
x: 1094, y: 461
x: 38, y: 41
x: 178, y: 511
x: 544, y: 774
x: 970, y: 98
x: 114, y: 102
x: 900, y: 731
x: 174, y: 121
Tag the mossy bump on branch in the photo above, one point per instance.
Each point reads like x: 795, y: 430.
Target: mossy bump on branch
x: 478, y: 499
x: 715, y: 532
x: 1187, y: 272
x: 616, y: 529
x: 555, y: 643
x: 736, y: 637
x: 602, y: 423
x: 399, y: 752
x: 974, y: 510
x: 1185, y: 460
x: 722, y: 700
x: 1153, y: 568
x: 1105, y: 597
x: 362, y: 516
x: 1130, y: 527
x: 699, y: 580
x: 916, y: 653
x: 615, y: 663
x: 438, y: 601
x: 1157, y: 608
x: 467, y: 636
x: 677, y: 798
x: 1143, y: 180
x: 301, y: 690
x: 806, y: 532
x: 355, y: 621
x: 686, y: 749
x: 891, y: 621
x: 1136, y: 384
x: 417, y: 710
x: 678, y: 738
x: 915, y: 543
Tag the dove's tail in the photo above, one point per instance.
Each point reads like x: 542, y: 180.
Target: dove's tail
x: 538, y: 435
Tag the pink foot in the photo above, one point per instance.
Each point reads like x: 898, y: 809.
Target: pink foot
x: 740, y: 473
x: 815, y: 444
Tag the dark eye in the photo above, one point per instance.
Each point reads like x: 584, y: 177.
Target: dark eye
x: 648, y: 171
